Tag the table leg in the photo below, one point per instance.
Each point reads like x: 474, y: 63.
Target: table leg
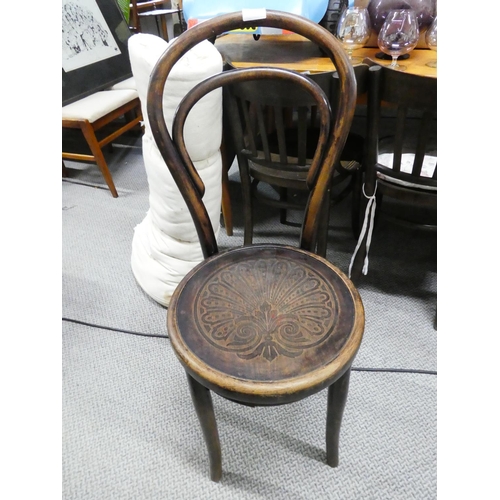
x: 202, y: 400
x: 337, y: 397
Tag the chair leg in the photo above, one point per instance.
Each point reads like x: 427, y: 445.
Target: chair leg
x: 247, y: 187
x: 283, y: 192
x: 227, y: 213
x: 357, y: 265
x: 132, y: 115
x: 337, y: 397
x: 164, y: 29
x: 64, y: 170
x: 322, y: 238
x: 356, y: 203
x: 91, y: 139
x: 202, y: 400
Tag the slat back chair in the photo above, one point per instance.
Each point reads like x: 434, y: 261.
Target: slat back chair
x: 261, y: 324
x: 269, y: 147
x: 401, y: 159
x: 275, y: 137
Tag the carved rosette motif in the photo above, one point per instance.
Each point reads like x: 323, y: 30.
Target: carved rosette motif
x: 266, y: 308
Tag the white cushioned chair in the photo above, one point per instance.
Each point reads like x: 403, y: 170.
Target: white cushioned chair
x: 119, y: 106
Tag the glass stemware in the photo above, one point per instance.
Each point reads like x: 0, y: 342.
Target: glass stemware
x: 399, y: 35
x: 353, y: 30
x: 431, y: 39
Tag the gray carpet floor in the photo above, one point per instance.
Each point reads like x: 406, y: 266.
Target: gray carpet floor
x: 129, y: 429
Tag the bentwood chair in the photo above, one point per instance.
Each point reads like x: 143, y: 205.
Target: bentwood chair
x: 401, y: 156
x: 263, y: 324
x: 275, y: 136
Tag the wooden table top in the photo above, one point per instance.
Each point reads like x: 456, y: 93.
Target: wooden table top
x: 297, y: 53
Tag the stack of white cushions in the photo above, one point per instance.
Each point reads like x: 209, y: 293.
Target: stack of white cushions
x: 165, y: 245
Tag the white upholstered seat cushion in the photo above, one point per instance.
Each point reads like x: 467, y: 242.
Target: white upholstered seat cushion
x: 97, y: 105
x: 128, y: 84
x: 428, y: 168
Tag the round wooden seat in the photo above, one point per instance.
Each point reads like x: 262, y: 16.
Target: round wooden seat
x: 266, y: 324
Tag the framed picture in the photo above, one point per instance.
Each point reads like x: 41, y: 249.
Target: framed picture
x: 94, y: 47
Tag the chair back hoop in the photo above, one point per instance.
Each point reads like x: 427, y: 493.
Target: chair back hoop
x: 191, y: 185
x: 317, y: 96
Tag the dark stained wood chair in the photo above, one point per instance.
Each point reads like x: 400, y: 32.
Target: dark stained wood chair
x: 262, y: 324
x: 401, y: 156
x: 275, y: 136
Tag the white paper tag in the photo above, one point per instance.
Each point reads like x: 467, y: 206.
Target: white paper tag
x: 253, y: 14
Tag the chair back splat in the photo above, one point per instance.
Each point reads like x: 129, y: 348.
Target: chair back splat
x: 262, y: 324
x: 275, y: 134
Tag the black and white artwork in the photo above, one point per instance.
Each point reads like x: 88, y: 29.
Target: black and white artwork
x: 86, y: 37
x: 94, y: 47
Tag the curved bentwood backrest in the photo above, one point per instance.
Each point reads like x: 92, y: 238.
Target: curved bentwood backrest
x: 183, y: 172
x: 319, y: 98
